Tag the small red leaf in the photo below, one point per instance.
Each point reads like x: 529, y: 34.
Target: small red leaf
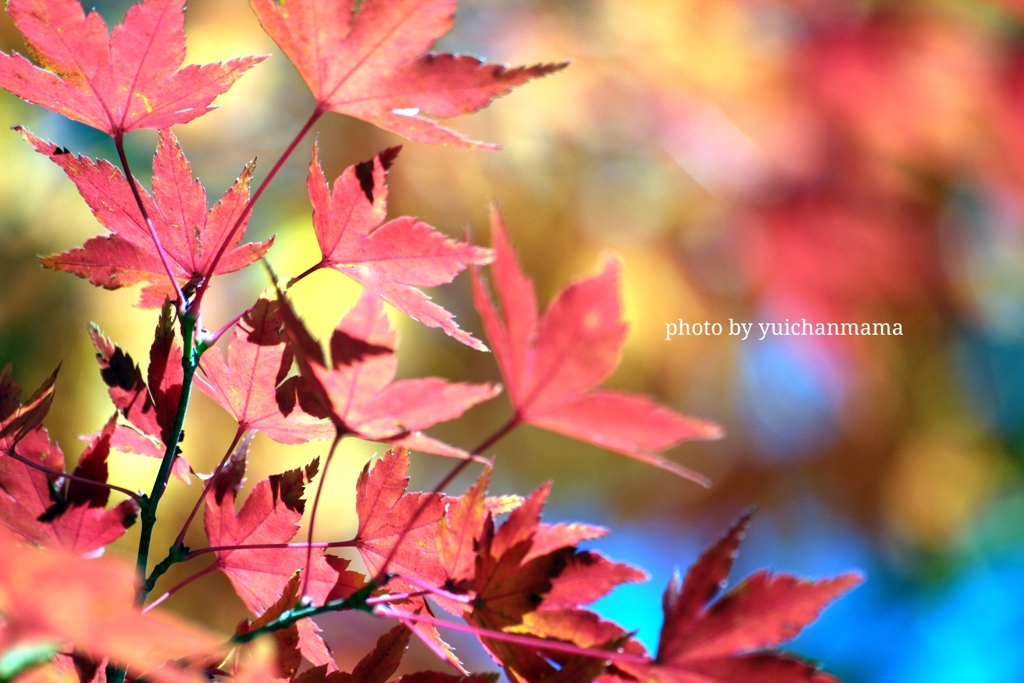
x: 392, y: 258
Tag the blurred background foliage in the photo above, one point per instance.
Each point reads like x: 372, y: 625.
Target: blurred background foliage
x: 834, y: 160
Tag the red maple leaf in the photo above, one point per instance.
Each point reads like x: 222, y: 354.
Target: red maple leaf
x: 149, y: 410
x: 189, y: 232
x: 393, y: 258
x: 387, y: 515
x: 529, y: 579
x: 356, y: 392
x: 59, y: 512
x: 551, y: 365
x: 245, y: 384
x: 385, y: 511
x: 726, y: 640
x: 270, y: 515
x: 118, y: 82
x: 372, y: 63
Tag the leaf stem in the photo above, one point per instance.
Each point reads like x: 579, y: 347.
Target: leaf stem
x: 503, y: 431
x: 355, y: 601
x: 316, y: 504
x: 209, y: 484
x: 198, y: 575
x: 309, y: 271
x: 269, y: 546
x: 189, y: 362
x: 119, y: 143
x: 242, y: 217
x: 73, y: 477
x: 528, y: 641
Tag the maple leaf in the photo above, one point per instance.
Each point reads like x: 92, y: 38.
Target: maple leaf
x: 551, y: 365
x: 385, y: 511
x: 270, y: 515
x: 372, y: 63
x: 148, y: 409
x: 67, y: 514
x: 190, y: 233
x: 245, y: 384
x: 386, y: 515
x: 52, y: 595
x: 517, y: 589
x: 392, y: 258
x: 725, y: 641
x: 356, y: 392
x: 116, y: 83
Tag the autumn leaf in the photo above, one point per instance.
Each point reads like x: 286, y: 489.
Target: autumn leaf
x: 385, y: 513
x: 270, y: 515
x: 727, y: 640
x: 116, y: 83
x: 355, y: 390
x: 53, y: 595
x: 57, y: 512
x: 190, y: 233
x: 552, y: 364
x: 245, y: 384
x: 394, y: 258
x: 529, y: 579
x: 372, y: 63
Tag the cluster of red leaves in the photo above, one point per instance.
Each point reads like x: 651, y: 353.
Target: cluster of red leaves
x: 521, y: 585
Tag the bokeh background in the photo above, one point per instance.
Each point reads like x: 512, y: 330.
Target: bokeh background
x: 834, y: 160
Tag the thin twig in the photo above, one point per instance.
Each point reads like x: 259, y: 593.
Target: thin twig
x: 180, y: 303
x: 73, y: 477
x: 209, y: 484
x: 316, y: 505
x: 528, y: 641
x: 247, y: 210
x: 198, y: 575
x: 269, y: 546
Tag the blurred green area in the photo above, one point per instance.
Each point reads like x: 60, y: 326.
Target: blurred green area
x: 755, y: 160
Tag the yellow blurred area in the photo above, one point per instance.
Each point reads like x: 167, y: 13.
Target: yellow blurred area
x: 939, y: 484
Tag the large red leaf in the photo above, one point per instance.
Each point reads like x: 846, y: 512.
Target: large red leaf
x: 245, y: 384
x: 372, y: 63
x: 118, y: 82
x: 52, y: 595
x: 551, y: 366
x: 270, y: 515
x: 190, y: 234
x: 61, y: 513
x: 393, y: 258
x: 356, y: 391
